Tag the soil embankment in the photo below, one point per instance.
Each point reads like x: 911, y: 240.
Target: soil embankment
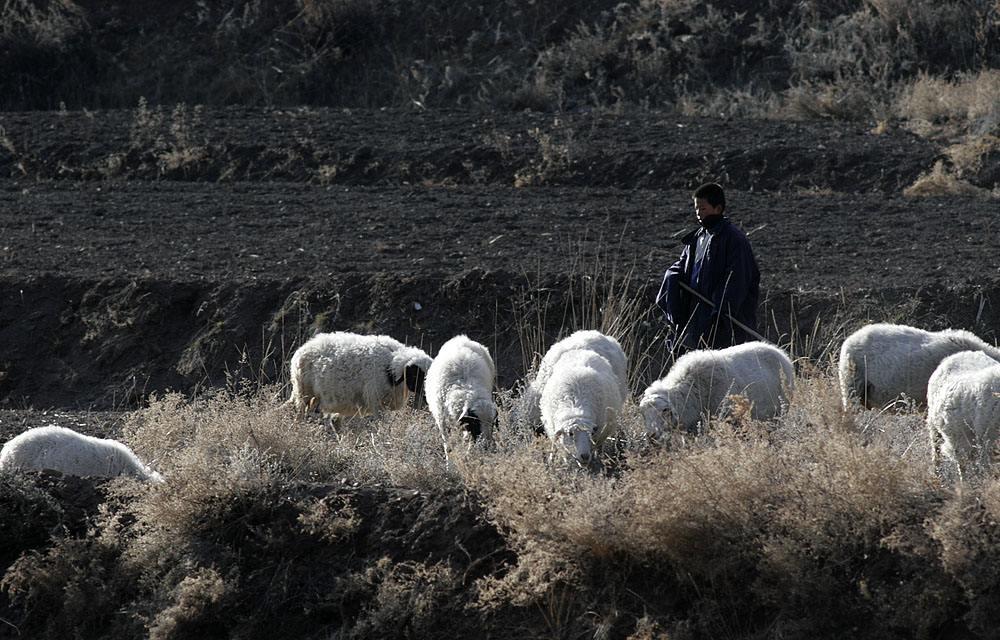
x: 163, y: 250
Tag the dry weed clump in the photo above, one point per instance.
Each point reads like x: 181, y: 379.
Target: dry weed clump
x: 969, y: 102
x: 964, y: 111
x: 940, y: 181
x: 30, y: 514
x: 819, y: 522
x: 73, y: 587
x: 266, y: 523
x: 249, y: 439
x: 802, y: 525
x: 969, y: 536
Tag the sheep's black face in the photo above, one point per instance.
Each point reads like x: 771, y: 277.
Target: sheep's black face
x: 471, y: 423
x: 414, y: 377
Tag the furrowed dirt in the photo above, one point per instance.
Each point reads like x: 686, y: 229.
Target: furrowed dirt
x: 163, y: 249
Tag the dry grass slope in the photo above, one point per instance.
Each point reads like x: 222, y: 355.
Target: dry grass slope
x: 818, y: 523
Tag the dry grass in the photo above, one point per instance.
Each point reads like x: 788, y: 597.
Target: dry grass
x: 940, y: 181
x: 847, y: 59
x: 809, y: 524
x: 970, y: 99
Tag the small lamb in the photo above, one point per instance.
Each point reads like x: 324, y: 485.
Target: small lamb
x: 71, y: 453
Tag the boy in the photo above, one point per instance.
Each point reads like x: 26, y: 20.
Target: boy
x: 717, y: 262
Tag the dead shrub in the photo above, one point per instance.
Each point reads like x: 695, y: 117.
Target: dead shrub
x: 940, y: 181
x: 411, y: 599
x: 842, y: 100
x: 75, y: 587
x: 195, y: 596
x: 971, y: 101
x: 803, y: 526
x: 231, y: 439
x: 969, y: 536
x: 31, y: 515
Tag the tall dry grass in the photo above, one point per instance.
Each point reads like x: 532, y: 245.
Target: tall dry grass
x: 846, y: 59
x: 817, y: 523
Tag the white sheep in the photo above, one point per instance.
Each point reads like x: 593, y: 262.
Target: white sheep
x: 349, y: 374
x: 963, y: 409
x: 459, y: 389
x: 881, y: 362
x: 580, y: 402
x: 71, y: 453
x: 700, y: 381
x: 604, y: 345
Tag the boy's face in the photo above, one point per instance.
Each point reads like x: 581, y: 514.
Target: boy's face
x: 704, y: 210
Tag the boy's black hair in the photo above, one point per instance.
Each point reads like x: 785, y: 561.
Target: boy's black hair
x: 712, y: 193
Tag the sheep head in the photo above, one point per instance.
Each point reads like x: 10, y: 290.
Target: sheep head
x: 414, y: 377
x: 658, y: 414
x: 471, y: 425
x: 576, y: 441
x: 478, y: 418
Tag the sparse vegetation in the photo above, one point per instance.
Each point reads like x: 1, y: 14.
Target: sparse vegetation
x: 818, y: 523
x: 926, y: 65
x: 856, y: 53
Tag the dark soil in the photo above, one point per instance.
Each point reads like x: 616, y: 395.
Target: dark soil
x: 358, y: 547
x: 137, y: 257
x: 141, y: 251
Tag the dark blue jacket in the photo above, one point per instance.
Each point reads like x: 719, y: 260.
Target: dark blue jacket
x: 729, y: 278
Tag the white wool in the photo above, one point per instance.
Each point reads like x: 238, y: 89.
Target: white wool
x: 71, y: 453
x: 351, y: 374
x: 459, y: 387
x: 881, y: 362
x: 699, y: 382
x: 580, y: 402
x: 963, y: 409
x: 592, y: 340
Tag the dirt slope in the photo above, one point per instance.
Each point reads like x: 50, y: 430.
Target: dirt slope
x: 120, y: 276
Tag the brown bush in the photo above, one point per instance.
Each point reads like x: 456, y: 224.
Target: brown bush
x: 820, y: 522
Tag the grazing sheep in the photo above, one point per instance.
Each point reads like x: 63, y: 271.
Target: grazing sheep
x: 351, y: 374
x: 459, y: 389
x: 580, y: 402
x: 700, y: 381
x: 586, y: 339
x: 880, y: 362
x: 71, y: 453
x: 963, y: 409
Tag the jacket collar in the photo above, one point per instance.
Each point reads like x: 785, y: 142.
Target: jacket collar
x: 715, y: 224
x: 712, y: 228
